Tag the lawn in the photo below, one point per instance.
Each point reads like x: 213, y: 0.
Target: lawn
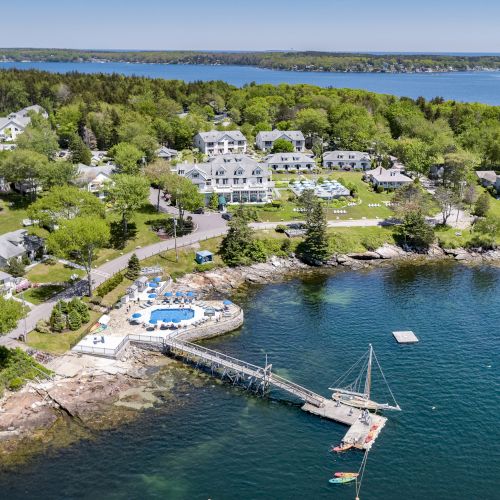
x: 186, y: 263
x: 366, y: 196
x: 13, y: 209
x: 41, y: 293
x: 56, y: 273
x: 59, y: 343
x: 144, y: 235
x: 112, y: 297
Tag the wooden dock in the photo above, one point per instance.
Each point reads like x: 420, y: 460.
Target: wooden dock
x: 364, y: 428
x: 407, y: 337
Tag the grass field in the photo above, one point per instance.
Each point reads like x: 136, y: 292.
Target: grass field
x: 57, y: 273
x: 11, y: 217
x: 59, y: 343
x: 41, y: 293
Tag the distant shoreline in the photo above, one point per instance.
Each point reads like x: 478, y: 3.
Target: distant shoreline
x: 321, y: 62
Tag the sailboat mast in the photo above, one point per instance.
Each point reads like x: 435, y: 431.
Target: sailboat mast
x: 369, y: 373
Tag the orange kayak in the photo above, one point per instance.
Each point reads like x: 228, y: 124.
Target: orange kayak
x: 341, y: 448
x: 346, y: 474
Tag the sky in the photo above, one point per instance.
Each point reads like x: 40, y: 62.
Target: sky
x: 329, y: 25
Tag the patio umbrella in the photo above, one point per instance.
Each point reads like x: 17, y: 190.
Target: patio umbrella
x: 227, y: 302
x: 157, y: 279
x: 167, y: 294
x: 153, y: 284
x: 152, y: 296
x: 179, y: 294
x: 190, y: 294
x: 136, y: 315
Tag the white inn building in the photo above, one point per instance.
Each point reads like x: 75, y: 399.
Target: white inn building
x: 237, y: 177
x: 290, y: 162
x: 347, y: 160
x: 220, y: 142
x: 15, y: 123
x: 265, y: 140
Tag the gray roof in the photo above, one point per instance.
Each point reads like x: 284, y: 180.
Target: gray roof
x: 87, y: 173
x: 231, y: 163
x: 165, y: 152
x: 380, y: 174
x: 217, y: 135
x: 487, y: 175
x: 5, y: 276
x: 19, y: 121
x: 11, y: 244
x: 294, y: 135
x: 289, y: 158
x: 346, y: 156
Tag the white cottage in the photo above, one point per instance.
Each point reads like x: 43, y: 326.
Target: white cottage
x: 347, y: 160
x: 265, y: 140
x: 218, y: 142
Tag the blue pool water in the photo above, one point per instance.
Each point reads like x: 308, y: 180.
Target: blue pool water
x: 170, y: 315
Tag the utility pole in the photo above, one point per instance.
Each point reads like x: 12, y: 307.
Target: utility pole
x: 175, y: 240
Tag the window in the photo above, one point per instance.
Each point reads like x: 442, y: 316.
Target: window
x: 239, y: 172
x: 259, y: 180
x: 195, y: 175
x: 225, y: 182
x: 220, y: 172
x: 181, y: 172
x: 243, y: 181
x: 217, y: 181
x: 236, y: 181
x: 257, y: 171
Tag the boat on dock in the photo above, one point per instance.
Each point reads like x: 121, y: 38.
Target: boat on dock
x: 356, y: 394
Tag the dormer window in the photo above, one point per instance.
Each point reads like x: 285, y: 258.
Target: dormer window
x: 196, y: 175
x: 239, y: 172
x: 220, y: 172
x: 257, y: 171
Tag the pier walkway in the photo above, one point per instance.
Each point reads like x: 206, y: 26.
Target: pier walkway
x: 363, y: 430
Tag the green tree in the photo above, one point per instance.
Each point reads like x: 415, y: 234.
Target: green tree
x: 282, y: 146
x: 482, y: 205
x: 127, y: 157
x: 416, y: 155
x: 486, y: 231
x: 39, y: 137
x: 127, y: 194
x: 57, y: 323
x: 446, y: 199
x: 74, y: 320
x: 15, y: 267
x: 24, y: 166
x: 214, y: 201
x: 311, y: 122
x: 11, y: 311
x: 80, y: 307
x: 238, y: 247
x: 133, y: 268
x: 156, y: 172
x: 79, y: 240
x: 183, y: 194
x: 80, y: 153
x: 314, y: 248
x: 415, y: 232
x: 65, y: 202
x: 58, y: 173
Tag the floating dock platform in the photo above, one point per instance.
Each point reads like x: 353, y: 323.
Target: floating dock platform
x: 362, y: 433
x: 407, y: 337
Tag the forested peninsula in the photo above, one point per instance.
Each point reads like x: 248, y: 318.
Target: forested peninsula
x: 292, y: 61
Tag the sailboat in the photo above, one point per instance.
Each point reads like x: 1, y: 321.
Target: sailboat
x: 353, y: 395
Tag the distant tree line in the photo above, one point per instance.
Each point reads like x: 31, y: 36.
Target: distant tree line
x: 299, y: 61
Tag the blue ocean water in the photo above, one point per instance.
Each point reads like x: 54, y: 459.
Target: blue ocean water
x: 217, y: 441
x: 464, y: 86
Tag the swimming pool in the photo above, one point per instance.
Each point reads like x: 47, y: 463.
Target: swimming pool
x: 170, y: 315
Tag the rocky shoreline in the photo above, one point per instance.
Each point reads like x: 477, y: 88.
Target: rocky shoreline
x: 88, y: 394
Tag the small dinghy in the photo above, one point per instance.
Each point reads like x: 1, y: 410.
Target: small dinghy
x: 342, y: 447
x: 341, y: 480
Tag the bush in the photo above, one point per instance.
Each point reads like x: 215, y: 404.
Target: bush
x: 74, y: 320
x: 15, y: 267
x: 372, y: 241
x: 42, y: 326
x: 80, y: 307
x: 200, y: 268
x: 50, y: 261
x: 16, y: 383
x: 109, y: 285
x: 379, y: 189
x: 286, y: 246
x: 57, y: 323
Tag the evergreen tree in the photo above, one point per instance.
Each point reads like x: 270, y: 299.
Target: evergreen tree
x: 415, y: 231
x: 239, y: 248
x: 15, y: 267
x: 80, y: 307
x: 74, y: 320
x: 80, y: 153
x: 214, y: 201
x: 62, y: 305
x: 134, y: 268
x: 482, y: 205
x: 315, y: 245
x: 56, y: 319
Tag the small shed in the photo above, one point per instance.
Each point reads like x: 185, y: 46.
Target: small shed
x: 204, y: 257
x: 141, y: 283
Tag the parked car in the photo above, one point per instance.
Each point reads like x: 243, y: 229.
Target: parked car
x: 227, y: 216
x: 198, y: 211
x: 296, y: 225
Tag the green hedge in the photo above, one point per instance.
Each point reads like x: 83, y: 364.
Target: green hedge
x: 109, y: 285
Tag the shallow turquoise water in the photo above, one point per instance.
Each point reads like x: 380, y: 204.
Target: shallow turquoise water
x: 223, y: 443
x: 478, y: 86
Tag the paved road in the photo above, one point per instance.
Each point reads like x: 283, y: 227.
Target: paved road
x: 208, y: 226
